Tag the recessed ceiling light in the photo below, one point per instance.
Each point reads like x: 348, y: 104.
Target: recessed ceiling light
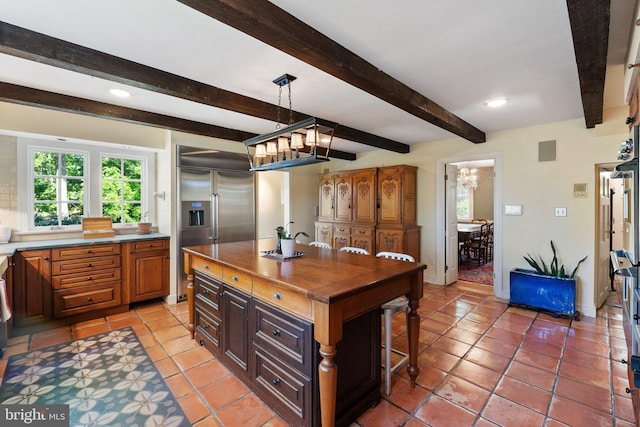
x: 496, y: 102
x: 120, y: 93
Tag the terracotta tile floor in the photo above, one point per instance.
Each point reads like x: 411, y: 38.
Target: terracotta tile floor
x: 482, y: 363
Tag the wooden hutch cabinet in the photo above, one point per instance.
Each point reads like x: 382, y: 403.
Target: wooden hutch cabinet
x: 373, y: 209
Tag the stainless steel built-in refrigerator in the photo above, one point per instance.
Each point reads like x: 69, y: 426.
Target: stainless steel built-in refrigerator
x: 217, y: 201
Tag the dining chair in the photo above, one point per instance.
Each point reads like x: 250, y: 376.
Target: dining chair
x: 389, y: 309
x: 320, y: 245
x: 477, y: 247
x: 353, y: 250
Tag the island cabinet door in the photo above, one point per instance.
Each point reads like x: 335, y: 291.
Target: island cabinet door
x: 235, y: 324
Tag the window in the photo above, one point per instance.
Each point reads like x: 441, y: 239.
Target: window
x: 122, y: 189
x: 69, y: 181
x: 58, y: 188
x: 464, y: 202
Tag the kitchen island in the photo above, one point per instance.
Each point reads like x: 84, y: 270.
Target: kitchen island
x: 237, y: 289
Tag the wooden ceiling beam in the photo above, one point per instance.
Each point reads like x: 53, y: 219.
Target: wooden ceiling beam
x: 48, y: 50
x: 590, y: 30
x: 268, y: 23
x: 23, y: 95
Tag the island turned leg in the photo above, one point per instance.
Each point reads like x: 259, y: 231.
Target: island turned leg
x: 413, y: 329
x: 328, y: 378
x: 191, y: 304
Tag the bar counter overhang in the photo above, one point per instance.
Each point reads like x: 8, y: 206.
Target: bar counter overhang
x: 325, y: 287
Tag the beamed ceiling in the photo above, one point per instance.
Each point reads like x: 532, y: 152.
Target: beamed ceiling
x: 392, y: 75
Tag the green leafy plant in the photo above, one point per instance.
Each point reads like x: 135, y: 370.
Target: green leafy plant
x: 283, y: 232
x: 551, y: 269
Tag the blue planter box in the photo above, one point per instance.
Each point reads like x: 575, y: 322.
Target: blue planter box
x: 553, y: 294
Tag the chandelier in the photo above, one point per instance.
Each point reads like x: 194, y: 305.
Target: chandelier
x: 302, y: 143
x: 468, y: 178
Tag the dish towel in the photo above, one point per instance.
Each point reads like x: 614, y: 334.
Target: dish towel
x: 5, y: 310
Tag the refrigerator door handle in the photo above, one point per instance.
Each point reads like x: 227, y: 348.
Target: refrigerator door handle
x: 214, y: 217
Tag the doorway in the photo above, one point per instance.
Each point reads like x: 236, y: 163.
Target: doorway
x: 447, y: 256
x: 609, y: 229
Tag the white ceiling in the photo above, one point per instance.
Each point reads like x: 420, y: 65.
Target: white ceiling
x: 458, y: 53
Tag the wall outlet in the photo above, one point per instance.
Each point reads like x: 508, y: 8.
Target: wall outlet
x: 561, y: 212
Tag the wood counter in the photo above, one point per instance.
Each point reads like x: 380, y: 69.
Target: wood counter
x: 325, y: 287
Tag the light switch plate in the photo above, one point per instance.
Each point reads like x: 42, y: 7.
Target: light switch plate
x: 561, y: 212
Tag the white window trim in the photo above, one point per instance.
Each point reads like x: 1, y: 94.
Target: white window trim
x: 92, y: 175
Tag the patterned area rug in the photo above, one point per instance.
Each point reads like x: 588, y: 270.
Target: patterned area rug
x: 477, y: 274
x: 106, y: 379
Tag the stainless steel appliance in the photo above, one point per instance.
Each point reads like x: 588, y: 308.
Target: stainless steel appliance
x: 217, y: 201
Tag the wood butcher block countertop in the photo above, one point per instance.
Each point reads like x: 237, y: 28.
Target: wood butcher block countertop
x: 321, y: 274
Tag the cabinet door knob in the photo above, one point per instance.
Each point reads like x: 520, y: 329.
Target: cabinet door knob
x: 235, y: 278
x: 88, y: 264
x: 277, y: 296
x: 46, y: 258
x: 206, y: 267
x: 629, y: 391
x: 150, y: 245
x: 201, y: 342
x: 276, y: 332
x: 89, y: 278
x: 89, y: 299
x: 276, y: 381
x: 88, y: 251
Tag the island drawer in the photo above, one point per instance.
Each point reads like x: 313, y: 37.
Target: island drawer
x: 283, y: 388
x: 237, y: 279
x: 284, y: 335
x: 68, y: 302
x: 289, y: 301
x: 75, y: 252
x: 208, y: 325
x: 207, y: 267
x: 87, y: 278
x: 84, y: 265
x: 208, y: 289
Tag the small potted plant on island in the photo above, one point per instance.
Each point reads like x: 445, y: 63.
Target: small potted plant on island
x: 144, y: 227
x: 547, y: 287
x: 286, y: 243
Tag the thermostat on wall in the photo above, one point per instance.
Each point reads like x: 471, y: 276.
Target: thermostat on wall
x: 580, y: 190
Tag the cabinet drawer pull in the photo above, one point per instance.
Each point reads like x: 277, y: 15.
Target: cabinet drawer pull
x: 89, y: 299
x: 277, y: 296
x: 89, y: 264
x: 204, y: 292
x: 89, y: 278
x: 150, y: 245
x: 88, y: 251
x: 206, y: 267
x: 276, y: 332
x: 235, y: 278
x: 276, y: 381
x: 222, y: 294
x: 206, y: 326
x: 201, y: 342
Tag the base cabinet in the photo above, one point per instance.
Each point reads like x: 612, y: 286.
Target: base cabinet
x: 66, y: 284
x: 146, y: 267
x: 275, y: 353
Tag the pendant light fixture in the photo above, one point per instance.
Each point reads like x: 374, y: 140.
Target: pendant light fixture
x: 306, y: 142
